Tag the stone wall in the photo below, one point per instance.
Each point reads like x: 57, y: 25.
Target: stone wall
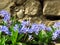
x: 51, y: 10
x: 47, y: 12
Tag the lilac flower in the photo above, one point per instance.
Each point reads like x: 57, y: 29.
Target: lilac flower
x: 6, y: 18
x: 48, y: 28
x: 57, y: 31
x: 23, y: 29
x: 6, y: 15
x: 16, y: 27
x: 30, y: 31
x: 56, y: 34
x: 24, y: 23
x: 34, y: 28
x: 2, y: 13
x: 57, y: 24
x: 42, y: 27
x: 4, y: 29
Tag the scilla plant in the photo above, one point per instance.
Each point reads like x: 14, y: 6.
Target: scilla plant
x: 13, y: 32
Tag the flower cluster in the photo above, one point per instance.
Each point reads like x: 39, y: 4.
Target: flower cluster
x: 16, y: 27
x: 6, y: 15
x: 56, y: 34
x: 30, y: 28
x: 4, y: 29
x: 27, y: 27
x: 57, y: 24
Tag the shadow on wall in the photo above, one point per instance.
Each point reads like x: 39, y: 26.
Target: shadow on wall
x: 52, y: 17
x: 41, y: 1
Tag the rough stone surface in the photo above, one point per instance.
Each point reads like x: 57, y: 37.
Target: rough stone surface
x: 20, y: 13
x: 19, y: 2
x: 32, y: 7
x: 4, y: 3
x: 51, y: 12
x: 31, y: 10
x: 27, y: 11
x: 51, y: 7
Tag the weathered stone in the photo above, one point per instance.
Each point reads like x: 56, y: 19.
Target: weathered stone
x: 4, y: 3
x: 29, y: 7
x: 51, y: 7
x: 51, y: 12
x: 32, y: 7
x: 7, y: 8
x: 19, y: 2
x: 20, y: 14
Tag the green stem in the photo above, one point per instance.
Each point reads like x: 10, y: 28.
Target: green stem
x: 45, y: 44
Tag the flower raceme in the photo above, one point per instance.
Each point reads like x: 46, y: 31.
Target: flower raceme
x: 6, y: 15
x: 4, y: 29
x: 27, y: 27
x: 57, y: 25
x: 31, y: 28
x: 16, y: 27
x: 24, y: 29
x: 56, y: 34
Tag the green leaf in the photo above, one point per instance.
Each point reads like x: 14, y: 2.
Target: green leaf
x: 49, y: 36
x: 21, y: 43
x: 34, y: 42
x: 42, y: 36
x: 14, y: 35
x: 1, y: 23
x: 20, y: 37
x: 3, y: 40
x: 53, y: 29
x: 4, y: 23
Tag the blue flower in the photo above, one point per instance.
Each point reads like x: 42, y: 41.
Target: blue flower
x: 16, y: 27
x: 4, y: 29
x: 6, y: 18
x: 30, y: 31
x: 56, y: 34
x: 25, y: 23
x: 48, y: 28
x: 34, y: 28
x: 57, y: 24
x: 42, y: 26
x: 23, y: 30
x: 6, y: 15
x: 57, y: 31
